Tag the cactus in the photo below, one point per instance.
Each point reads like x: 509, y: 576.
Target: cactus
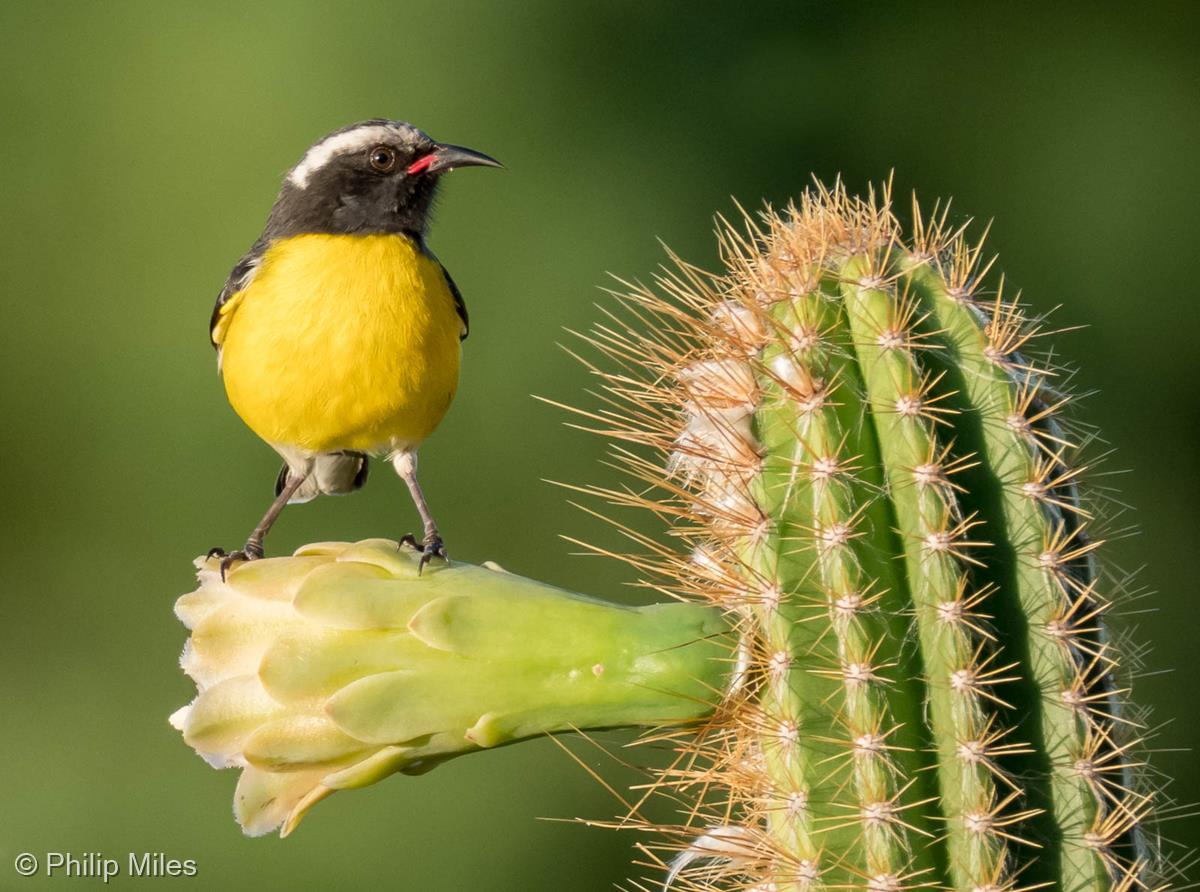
x: 894, y: 671
x: 872, y: 474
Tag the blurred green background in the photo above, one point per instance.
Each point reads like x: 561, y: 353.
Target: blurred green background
x: 141, y: 148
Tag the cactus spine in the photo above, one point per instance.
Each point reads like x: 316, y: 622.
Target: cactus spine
x: 876, y: 481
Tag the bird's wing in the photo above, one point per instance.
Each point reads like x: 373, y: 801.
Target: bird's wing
x: 460, y: 305
x: 227, y: 301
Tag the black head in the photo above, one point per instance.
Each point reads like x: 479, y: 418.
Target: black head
x: 375, y: 176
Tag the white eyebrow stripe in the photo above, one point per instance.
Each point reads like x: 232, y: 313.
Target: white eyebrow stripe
x: 358, y: 139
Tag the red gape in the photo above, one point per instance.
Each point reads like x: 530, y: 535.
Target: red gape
x: 421, y: 163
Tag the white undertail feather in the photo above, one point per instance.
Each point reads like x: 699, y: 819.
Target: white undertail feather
x: 329, y: 473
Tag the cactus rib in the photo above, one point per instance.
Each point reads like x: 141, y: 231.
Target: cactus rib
x: 1069, y: 662
x: 960, y: 677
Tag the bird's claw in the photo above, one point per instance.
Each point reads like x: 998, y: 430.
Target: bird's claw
x: 432, y: 547
x: 252, y: 551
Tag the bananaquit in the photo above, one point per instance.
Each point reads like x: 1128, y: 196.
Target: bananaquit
x: 338, y: 333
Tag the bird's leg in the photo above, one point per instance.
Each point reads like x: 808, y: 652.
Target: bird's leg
x: 253, y: 549
x: 405, y: 464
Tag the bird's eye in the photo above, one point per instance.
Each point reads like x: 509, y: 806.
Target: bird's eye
x: 382, y: 158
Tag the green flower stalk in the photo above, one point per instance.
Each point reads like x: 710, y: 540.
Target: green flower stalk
x: 341, y: 665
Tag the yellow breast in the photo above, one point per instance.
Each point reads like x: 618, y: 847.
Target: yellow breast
x: 342, y: 342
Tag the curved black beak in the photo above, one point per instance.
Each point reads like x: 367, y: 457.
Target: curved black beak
x: 445, y: 158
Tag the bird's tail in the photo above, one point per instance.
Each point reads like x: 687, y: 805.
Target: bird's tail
x: 331, y: 474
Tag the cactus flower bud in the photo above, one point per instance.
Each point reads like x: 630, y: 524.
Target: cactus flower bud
x: 341, y: 665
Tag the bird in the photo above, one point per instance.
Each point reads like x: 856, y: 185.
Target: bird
x: 338, y: 334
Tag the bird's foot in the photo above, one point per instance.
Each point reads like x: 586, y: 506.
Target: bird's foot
x: 252, y: 551
x: 432, y: 547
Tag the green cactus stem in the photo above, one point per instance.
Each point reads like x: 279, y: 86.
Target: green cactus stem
x: 842, y: 427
